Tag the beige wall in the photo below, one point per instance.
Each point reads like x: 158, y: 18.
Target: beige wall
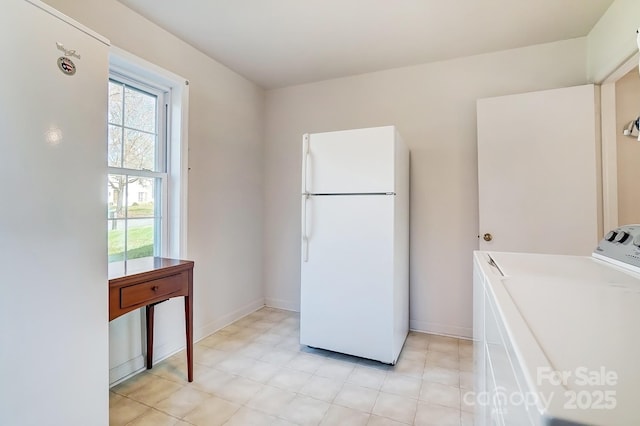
x: 226, y: 114
x: 433, y: 106
x: 627, y: 109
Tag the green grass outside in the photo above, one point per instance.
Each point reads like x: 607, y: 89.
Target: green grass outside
x: 140, y: 210
x: 140, y: 243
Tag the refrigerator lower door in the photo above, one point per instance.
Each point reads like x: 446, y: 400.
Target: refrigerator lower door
x: 347, y: 273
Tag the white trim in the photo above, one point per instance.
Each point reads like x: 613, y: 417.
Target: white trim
x: 122, y: 372
x: 441, y: 329
x: 178, y: 164
x: 126, y: 370
x: 134, y: 172
x: 287, y: 305
x: 119, y: 58
x: 213, y: 326
x: 54, y: 12
x: 609, y: 157
x: 623, y: 69
x: 609, y: 142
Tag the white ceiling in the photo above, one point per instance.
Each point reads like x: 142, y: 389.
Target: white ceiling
x: 278, y: 43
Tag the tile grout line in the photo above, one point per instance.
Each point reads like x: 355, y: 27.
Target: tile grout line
x: 284, y: 340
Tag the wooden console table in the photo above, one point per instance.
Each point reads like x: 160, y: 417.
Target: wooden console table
x: 147, y: 282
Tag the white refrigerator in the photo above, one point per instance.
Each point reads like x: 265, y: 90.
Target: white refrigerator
x: 54, y: 353
x: 355, y: 242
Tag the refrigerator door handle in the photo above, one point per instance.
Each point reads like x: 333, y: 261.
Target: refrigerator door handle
x: 305, y: 238
x: 305, y: 143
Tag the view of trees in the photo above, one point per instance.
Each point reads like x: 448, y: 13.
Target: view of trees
x: 131, y: 145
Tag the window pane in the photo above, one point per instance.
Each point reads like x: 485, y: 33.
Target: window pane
x: 140, y: 110
x: 133, y: 217
x: 117, y: 194
x: 115, y: 103
x: 115, y: 146
x: 115, y: 235
x: 133, y: 220
x: 139, y: 150
x: 140, y: 198
x: 140, y: 237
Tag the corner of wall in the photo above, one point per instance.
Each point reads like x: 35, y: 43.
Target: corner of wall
x: 612, y: 40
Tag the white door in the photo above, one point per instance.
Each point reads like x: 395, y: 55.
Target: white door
x: 349, y: 161
x: 537, y: 172
x: 347, y: 275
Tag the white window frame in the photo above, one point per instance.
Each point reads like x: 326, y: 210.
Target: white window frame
x: 161, y: 200
x: 124, y: 64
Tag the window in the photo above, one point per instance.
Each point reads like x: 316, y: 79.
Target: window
x: 137, y: 164
x: 147, y: 159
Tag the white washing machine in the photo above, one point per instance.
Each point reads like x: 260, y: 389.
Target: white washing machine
x: 557, y: 338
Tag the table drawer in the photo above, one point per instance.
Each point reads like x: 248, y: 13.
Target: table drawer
x: 150, y: 291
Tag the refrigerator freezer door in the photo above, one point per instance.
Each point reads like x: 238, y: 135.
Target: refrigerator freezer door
x: 350, y: 161
x: 347, y: 278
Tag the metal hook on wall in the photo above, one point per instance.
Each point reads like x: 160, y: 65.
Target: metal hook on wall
x: 633, y: 128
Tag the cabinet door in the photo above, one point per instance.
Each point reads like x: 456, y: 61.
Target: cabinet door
x: 53, y: 308
x: 479, y: 345
x: 538, y: 171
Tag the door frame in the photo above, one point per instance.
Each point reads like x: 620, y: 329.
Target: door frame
x: 609, y: 142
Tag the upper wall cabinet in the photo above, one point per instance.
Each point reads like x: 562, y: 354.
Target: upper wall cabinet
x: 538, y: 171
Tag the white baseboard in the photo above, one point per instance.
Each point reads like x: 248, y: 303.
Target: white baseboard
x: 287, y: 305
x: 208, y: 329
x: 414, y: 325
x: 441, y: 329
x: 136, y: 365
x: 125, y: 370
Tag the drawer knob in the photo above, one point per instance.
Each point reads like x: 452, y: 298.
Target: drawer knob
x: 155, y: 288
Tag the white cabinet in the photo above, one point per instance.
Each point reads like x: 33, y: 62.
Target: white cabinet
x: 538, y: 171
x: 498, y: 381
x: 53, y: 309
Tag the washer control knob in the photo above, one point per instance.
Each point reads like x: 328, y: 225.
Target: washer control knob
x: 636, y: 240
x: 621, y: 237
x: 610, y: 236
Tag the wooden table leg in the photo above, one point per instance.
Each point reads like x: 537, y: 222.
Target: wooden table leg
x: 150, y: 311
x: 188, y: 316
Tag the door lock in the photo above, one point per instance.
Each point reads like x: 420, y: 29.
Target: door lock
x: 487, y: 237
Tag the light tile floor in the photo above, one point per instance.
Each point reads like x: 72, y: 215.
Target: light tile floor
x: 255, y: 372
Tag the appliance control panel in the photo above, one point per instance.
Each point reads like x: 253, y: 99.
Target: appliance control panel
x: 621, y: 246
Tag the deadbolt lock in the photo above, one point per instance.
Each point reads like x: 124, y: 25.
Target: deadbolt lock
x: 487, y: 237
